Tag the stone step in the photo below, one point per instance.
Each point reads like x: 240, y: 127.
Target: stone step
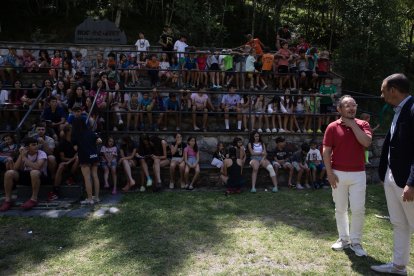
x: 67, y: 192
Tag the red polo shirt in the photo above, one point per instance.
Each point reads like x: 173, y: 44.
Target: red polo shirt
x: 347, y: 152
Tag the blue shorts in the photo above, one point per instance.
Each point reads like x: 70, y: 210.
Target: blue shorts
x: 111, y: 164
x: 319, y: 167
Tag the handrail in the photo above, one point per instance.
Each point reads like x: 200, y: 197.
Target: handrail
x: 31, y: 107
x: 92, y: 107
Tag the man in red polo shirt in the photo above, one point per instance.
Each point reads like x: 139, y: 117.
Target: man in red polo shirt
x: 343, y: 153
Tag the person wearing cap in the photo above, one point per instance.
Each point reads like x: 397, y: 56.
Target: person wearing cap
x: 344, y: 145
x: 30, y: 168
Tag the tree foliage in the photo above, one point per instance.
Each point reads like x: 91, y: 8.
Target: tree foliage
x: 369, y: 39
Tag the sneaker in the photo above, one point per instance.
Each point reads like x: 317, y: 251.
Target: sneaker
x: 120, y: 122
x: 52, y: 196
x: 253, y: 190
x: 357, y: 248
x: 319, y: 131
x: 281, y: 130
x: 29, y: 204
x: 268, y: 130
x: 171, y: 185
x: 299, y: 131
x: 274, y: 130
x: 70, y: 181
x: 264, y: 87
x: 177, y: 129
x: 87, y: 202
x: 307, y: 186
x: 149, y: 182
x: 196, y: 128
x: 389, y: 268
x: 142, y: 189
x: 299, y: 186
x: 275, y: 190
x: 115, y: 128
x: 5, y: 206
x: 340, y: 245
x: 310, y: 130
x: 96, y: 199
x: 260, y: 130
x: 246, y: 129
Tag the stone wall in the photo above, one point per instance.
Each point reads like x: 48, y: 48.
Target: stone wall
x: 207, y: 144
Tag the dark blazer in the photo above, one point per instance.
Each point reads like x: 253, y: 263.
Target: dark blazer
x: 401, y: 148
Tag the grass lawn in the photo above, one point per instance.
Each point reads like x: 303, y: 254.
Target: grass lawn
x: 198, y: 233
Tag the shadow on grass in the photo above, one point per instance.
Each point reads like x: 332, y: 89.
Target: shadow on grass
x: 158, y: 234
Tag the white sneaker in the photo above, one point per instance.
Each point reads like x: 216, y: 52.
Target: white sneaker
x: 274, y: 130
x: 115, y: 128
x: 142, y: 189
x: 171, y: 185
x: 260, y: 130
x: 340, y: 245
x: 267, y: 130
x: 149, y: 182
x: 282, y: 130
x: 389, y: 268
x: 299, y: 186
x: 87, y: 202
x: 120, y: 122
x: 307, y: 186
x: 357, y: 248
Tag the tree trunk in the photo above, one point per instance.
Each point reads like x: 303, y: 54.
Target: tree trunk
x: 253, y: 17
x: 410, y: 47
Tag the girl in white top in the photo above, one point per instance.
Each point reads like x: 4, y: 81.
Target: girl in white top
x: 259, y: 108
x: 258, y: 155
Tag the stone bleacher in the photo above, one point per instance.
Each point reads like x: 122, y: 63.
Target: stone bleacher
x: 207, y: 141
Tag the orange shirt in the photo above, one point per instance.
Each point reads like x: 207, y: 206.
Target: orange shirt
x: 153, y: 63
x: 255, y: 43
x: 267, y: 60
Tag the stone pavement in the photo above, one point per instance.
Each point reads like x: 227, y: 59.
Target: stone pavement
x: 68, y: 208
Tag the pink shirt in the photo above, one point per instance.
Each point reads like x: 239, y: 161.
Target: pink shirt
x: 347, y: 153
x: 190, y: 152
x: 286, y: 54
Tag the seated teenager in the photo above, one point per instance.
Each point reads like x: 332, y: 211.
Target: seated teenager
x: 29, y: 168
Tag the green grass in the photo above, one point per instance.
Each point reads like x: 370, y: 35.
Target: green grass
x: 198, y: 233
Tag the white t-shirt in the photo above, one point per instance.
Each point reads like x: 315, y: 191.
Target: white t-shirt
x: 314, y: 155
x: 4, y: 96
x: 142, y: 45
x: 231, y: 100
x: 40, y: 155
x: 250, y: 63
x: 199, y: 100
x: 180, y: 46
x: 164, y: 65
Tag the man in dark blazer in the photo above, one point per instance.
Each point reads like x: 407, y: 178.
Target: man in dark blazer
x: 396, y: 169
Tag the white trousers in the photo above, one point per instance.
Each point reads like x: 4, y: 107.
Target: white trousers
x: 350, y: 191
x: 402, y: 219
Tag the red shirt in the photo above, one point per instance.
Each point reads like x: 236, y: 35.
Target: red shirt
x: 347, y: 152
